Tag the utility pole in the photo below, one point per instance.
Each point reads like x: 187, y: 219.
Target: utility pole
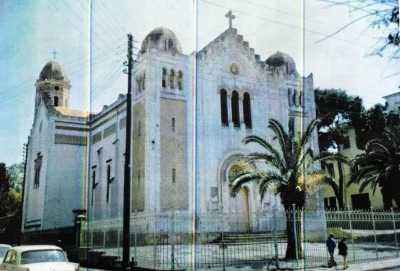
x: 127, y: 168
x: 25, y: 154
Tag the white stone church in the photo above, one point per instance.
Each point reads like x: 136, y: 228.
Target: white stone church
x: 190, y: 114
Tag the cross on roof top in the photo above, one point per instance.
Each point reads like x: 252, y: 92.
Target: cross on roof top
x: 54, y: 54
x: 231, y: 17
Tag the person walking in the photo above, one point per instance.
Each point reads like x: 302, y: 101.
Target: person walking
x: 331, y: 245
x: 343, y: 252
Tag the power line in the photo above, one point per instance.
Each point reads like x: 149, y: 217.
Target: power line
x: 288, y: 25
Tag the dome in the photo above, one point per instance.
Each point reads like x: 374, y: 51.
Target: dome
x: 281, y: 59
x: 161, y: 39
x: 52, y: 71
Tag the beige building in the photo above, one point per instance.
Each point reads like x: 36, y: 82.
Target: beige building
x: 353, y: 198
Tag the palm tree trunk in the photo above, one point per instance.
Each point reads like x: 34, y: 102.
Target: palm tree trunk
x: 341, y: 186
x: 294, y: 235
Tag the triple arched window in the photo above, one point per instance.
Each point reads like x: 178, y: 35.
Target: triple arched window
x: 224, y: 108
x: 172, y: 79
x: 235, y: 109
x: 295, y: 97
x: 247, y: 110
x: 56, y: 102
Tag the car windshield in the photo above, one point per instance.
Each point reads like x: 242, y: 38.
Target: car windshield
x: 42, y: 256
x: 3, y: 251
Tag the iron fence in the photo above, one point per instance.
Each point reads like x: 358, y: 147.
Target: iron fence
x: 180, y: 240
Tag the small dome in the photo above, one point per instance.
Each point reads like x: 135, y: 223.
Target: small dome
x: 281, y: 59
x: 161, y: 39
x: 52, y: 71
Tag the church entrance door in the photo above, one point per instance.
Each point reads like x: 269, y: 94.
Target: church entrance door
x: 243, y: 200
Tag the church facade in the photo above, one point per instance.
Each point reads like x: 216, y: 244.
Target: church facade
x: 190, y: 114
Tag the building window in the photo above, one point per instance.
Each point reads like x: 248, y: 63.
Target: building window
x: 291, y: 125
x: 164, y: 78
x: 290, y: 101
x: 139, y: 87
x: 170, y: 44
x: 94, y: 182
x: 247, y: 110
x: 180, y: 80
x: 173, y: 175
x: 330, y: 203
x: 144, y: 81
x: 55, y: 101
x: 38, y: 167
x: 173, y: 124
x: 235, y: 109
x: 224, y: 108
x: 172, y: 79
x: 360, y: 201
x: 139, y: 128
x: 109, y: 180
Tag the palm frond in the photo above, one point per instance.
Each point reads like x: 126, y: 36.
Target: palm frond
x: 237, y: 183
x: 308, y: 133
x: 262, y: 142
x: 268, y: 159
x: 281, y: 135
x: 268, y: 180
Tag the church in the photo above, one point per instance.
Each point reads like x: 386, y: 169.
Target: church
x: 190, y: 114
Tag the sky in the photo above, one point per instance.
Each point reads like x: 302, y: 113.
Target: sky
x: 34, y: 32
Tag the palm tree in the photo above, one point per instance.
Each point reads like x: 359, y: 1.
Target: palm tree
x: 288, y: 170
x: 379, y: 165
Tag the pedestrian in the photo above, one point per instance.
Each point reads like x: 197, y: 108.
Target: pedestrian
x: 343, y: 252
x: 331, y: 245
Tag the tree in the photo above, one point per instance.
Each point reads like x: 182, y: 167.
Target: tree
x: 379, y: 165
x: 288, y: 170
x: 10, y: 211
x: 381, y: 14
x: 337, y: 111
x: 10, y: 200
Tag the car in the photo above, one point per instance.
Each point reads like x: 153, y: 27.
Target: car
x: 3, y: 250
x: 37, y: 258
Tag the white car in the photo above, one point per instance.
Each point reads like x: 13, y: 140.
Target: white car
x: 37, y: 258
x: 3, y: 250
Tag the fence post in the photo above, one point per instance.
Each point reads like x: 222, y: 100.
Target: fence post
x: 173, y: 240
x: 223, y: 242
x: 351, y: 235
x: 395, y: 233
x: 135, y: 229
x: 295, y: 230
x: 154, y: 228
x: 374, y: 228
x: 274, y: 237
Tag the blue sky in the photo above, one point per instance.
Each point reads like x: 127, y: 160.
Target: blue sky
x: 32, y: 30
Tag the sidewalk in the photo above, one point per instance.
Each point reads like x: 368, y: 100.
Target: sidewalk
x: 390, y: 264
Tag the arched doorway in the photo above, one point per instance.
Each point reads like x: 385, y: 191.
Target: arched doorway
x: 238, y: 207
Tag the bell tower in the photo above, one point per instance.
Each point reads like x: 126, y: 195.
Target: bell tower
x: 52, y: 86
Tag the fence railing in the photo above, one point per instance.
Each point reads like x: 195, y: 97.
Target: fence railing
x: 177, y: 240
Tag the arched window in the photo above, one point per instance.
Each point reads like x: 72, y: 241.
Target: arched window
x: 172, y: 79
x: 247, y: 110
x: 180, y: 80
x: 164, y: 78
x: 294, y: 94
x: 224, y: 108
x: 55, y: 100
x: 235, y: 109
x: 170, y: 44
